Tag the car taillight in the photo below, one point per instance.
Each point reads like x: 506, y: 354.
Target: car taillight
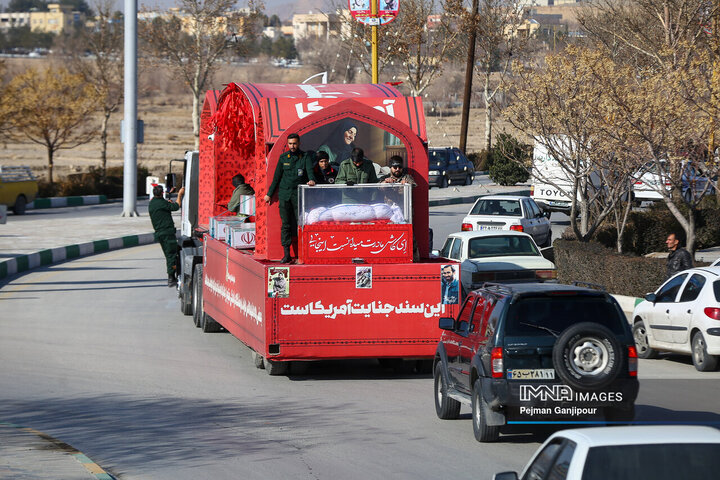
x: 546, y: 274
x: 517, y: 228
x: 467, y: 227
x: 632, y: 361
x: 638, y: 182
x: 497, y: 362
x: 712, y: 312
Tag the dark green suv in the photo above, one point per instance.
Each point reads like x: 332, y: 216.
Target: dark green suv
x: 530, y: 353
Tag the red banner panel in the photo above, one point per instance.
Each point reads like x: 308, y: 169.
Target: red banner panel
x: 338, y: 243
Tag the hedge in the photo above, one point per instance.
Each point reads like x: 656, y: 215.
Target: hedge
x: 620, y: 274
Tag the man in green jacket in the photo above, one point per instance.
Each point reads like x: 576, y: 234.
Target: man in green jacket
x: 161, y: 217
x: 241, y: 188
x: 356, y: 169
x: 293, y: 169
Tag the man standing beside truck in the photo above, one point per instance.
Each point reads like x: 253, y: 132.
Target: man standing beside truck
x: 160, y: 211
x: 294, y: 168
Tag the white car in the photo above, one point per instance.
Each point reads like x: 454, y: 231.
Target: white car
x: 682, y: 316
x: 509, y: 212
x: 646, y: 184
x: 656, y: 452
x: 496, y: 256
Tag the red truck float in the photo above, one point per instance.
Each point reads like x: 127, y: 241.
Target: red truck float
x: 364, y: 285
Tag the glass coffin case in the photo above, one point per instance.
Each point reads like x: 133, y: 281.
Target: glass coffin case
x: 355, y: 224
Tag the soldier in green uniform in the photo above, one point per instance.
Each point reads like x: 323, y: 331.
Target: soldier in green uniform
x: 160, y: 211
x: 294, y: 168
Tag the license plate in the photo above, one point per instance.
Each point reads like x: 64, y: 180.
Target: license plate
x: 557, y: 204
x: 488, y: 227
x: 528, y: 374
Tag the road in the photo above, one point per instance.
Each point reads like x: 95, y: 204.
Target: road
x: 95, y: 352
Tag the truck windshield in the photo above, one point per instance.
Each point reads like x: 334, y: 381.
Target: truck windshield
x: 558, y: 313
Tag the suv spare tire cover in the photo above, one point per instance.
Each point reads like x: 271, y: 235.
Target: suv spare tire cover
x: 587, y: 356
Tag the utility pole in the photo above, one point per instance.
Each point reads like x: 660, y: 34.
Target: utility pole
x: 469, y: 68
x: 374, y: 31
x: 130, y: 112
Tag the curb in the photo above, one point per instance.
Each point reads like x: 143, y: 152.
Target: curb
x: 93, y: 468
x: 55, y: 202
x: 23, y: 263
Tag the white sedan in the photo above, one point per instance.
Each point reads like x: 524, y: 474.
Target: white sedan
x: 497, y: 256
x: 682, y: 316
x: 655, y: 452
x: 509, y: 212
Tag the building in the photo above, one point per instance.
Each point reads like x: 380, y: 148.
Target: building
x: 319, y: 25
x: 58, y: 19
x: 10, y: 20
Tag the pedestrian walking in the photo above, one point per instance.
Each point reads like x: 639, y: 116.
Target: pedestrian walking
x: 294, y: 168
x: 160, y: 211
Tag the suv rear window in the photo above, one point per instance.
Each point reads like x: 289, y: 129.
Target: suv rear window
x: 558, y: 313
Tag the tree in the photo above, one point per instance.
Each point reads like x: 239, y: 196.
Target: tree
x: 194, y: 41
x: 103, y: 69
x: 53, y: 108
x: 509, y: 161
x: 566, y: 107
x: 498, y: 42
x: 5, y: 102
x: 412, y: 45
x: 26, y: 5
x: 672, y: 56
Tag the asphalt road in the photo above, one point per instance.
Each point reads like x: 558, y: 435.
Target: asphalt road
x: 96, y: 353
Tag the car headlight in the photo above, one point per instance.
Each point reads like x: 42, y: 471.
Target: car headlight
x: 434, y: 172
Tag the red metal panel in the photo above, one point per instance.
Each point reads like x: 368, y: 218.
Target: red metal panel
x: 328, y: 312
x: 326, y: 316
x: 377, y: 243
x: 282, y: 113
x: 234, y: 292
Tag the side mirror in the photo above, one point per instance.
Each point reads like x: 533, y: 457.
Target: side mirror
x: 505, y: 476
x: 446, y: 323
x: 546, y: 214
x: 170, y: 181
x: 436, y: 253
x: 651, y: 297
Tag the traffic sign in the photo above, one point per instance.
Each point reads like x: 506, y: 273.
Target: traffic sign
x: 387, y: 11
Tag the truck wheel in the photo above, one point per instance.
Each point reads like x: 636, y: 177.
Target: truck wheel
x: 446, y: 408
x: 641, y: 341
x: 483, y: 432
x: 275, y: 368
x: 587, y: 356
x: 20, y: 204
x: 186, y: 297
x: 444, y: 182
x: 703, y: 361
x: 197, y: 306
x: 257, y: 360
x: 468, y: 180
x: 209, y: 325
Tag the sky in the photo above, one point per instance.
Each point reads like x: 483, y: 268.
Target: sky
x: 282, y: 8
